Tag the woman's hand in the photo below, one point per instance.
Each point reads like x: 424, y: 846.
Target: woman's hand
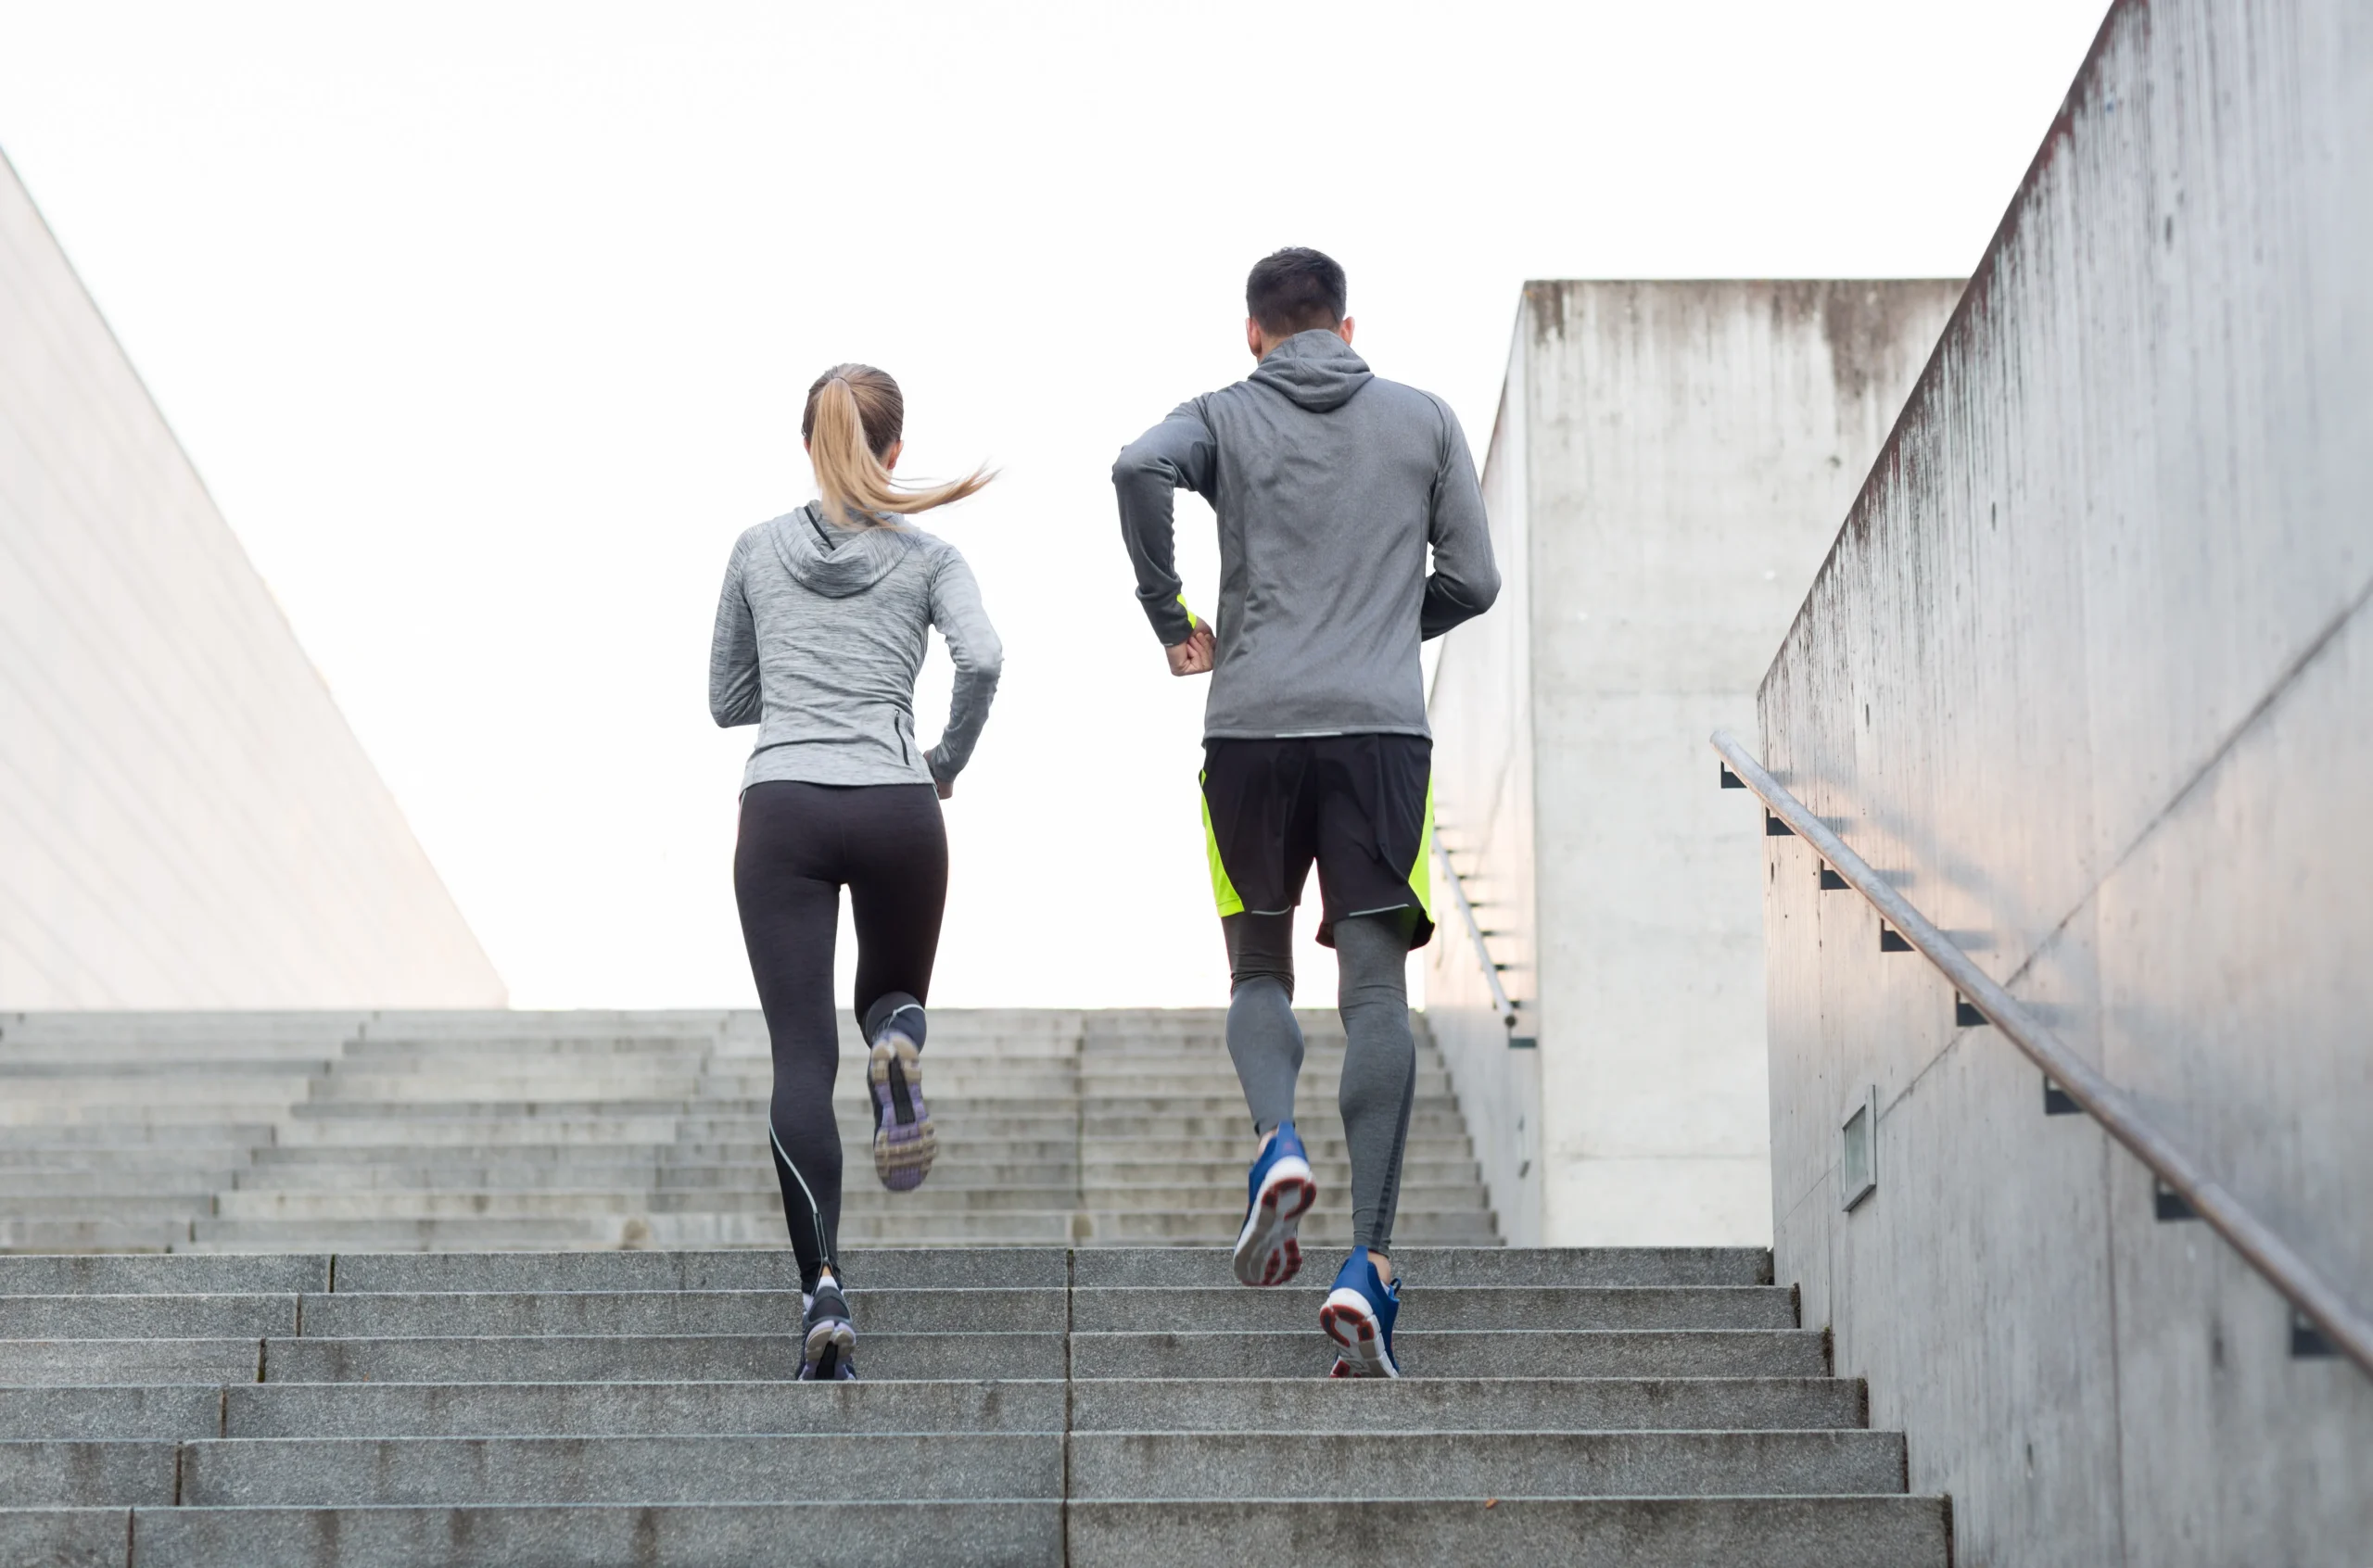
x: 947, y: 787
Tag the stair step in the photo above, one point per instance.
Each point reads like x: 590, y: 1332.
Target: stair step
x: 1436, y: 1267
x: 155, y: 1231
x: 177, y: 1274
x: 762, y: 1467
x: 661, y: 1090
x: 986, y: 1267
x: 100, y: 1207
x: 1480, y: 1404
x: 980, y: 1267
x: 1644, y: 1532
x: 73, y: 1071
x: 112, y: 1184
x: 711, y: 1357
x: 413, y: 1131
x: 383, y: 1203
x: 149, y: 1316
x: 1853, y: 1532
x: 81, y: 1472
x: 350, y: 1409
x: 1326, y: 1225
x: 1227, y: 1173
x: 1190, y: 1309
x: 89, y: 1412
x: 107, y: 1120
x: 381, y: 1409
x: 131, y: 1363
x: 976, y: 1201
x: 887, y: 1465
x: 1024, y: 1310
x: 213, y: 1147
x: 883, y: 1535
x: 317, y: 1236
x: 1295, y: 1353
x: 247, y: 1472
x: 1136, y: 1311
x: 1226, y: 1466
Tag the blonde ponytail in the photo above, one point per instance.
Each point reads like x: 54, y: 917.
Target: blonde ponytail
x: 855, y: 415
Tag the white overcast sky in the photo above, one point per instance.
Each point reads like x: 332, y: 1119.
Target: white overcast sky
x: 488, y: 326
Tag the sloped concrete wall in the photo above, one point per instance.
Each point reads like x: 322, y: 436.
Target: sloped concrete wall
x: 1671, y: 464
x: 185, y: 819
x: 2089, y: 675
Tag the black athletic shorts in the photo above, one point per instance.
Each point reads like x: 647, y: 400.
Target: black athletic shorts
x: 1362, y: 807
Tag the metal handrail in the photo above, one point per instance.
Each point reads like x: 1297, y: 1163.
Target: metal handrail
x: 1500, y: 1003
x: 2105, y: 1102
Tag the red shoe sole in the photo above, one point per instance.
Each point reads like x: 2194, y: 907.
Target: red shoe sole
x: 1289, y: 1199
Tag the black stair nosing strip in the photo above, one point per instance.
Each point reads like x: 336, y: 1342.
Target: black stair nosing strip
x: 1070, y: 1384
x: 1443, y: 1334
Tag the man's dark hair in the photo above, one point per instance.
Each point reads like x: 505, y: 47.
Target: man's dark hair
x: 1296, y: 290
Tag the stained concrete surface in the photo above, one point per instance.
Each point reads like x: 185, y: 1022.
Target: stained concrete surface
x: 2086, y: 677
x: 1669, y: 464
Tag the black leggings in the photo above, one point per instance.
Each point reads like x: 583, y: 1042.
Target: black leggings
x: 799, y: 844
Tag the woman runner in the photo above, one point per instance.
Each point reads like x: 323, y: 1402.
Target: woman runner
x: 819, y: 634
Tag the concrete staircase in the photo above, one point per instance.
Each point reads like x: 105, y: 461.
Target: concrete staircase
x: 1025, y: 1406
x: 380, y: 1132
x: 457, y: 1288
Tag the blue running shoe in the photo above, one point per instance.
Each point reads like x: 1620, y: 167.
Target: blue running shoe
x: 1358, y: 1315
x: 1280, y: 1193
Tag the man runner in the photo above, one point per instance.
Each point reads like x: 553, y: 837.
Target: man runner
x: 1330, y: 483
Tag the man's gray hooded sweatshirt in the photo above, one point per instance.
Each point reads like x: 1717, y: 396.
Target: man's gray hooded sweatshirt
x: 1330, y: 483
x: 819, y: 633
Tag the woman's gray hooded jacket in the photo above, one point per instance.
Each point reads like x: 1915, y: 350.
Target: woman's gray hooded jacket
x: 819, y: 635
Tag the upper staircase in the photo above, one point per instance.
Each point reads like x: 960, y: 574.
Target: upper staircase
x: 251, y: 1132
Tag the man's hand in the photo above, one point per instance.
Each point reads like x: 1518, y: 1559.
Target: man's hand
x: 1192, y: 657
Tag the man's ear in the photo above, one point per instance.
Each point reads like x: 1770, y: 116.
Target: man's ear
x: 1252, y: 337
x: 1344, y: 330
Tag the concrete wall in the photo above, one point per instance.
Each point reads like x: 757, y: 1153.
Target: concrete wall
x: 1670, y: 462
x: 1480, y: 707
x: 185, y: 819
x: 2089, y: 675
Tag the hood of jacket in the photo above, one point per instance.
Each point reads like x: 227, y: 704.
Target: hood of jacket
x: 835, y: 561
x: 1317, y: 369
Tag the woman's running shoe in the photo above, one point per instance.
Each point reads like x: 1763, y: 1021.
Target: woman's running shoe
x: 1280, y: 1191
x: 1358, y: 1315
x: 830, y: 1354
x: 904, y: 1143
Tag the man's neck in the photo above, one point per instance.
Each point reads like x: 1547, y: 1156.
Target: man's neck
x: 1271, y: 344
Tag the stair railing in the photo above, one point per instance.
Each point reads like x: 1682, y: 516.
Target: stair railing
x: 2116, y: 1111
x: 1500, y: 1003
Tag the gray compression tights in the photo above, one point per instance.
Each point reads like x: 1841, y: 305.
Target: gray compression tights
x: 1379, y: 1062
